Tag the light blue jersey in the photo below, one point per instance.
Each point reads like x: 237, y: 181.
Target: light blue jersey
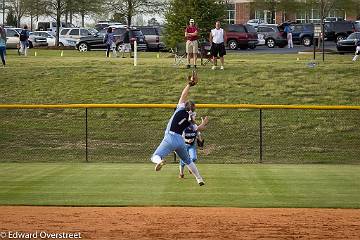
x: 173, y: 140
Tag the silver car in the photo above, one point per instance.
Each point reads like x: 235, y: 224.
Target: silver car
x: 75, y: 33
x: 13, y: 39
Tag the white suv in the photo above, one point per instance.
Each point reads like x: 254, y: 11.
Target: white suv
x: 75, y: 33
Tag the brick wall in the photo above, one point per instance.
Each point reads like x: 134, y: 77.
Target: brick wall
x: 242, y: 12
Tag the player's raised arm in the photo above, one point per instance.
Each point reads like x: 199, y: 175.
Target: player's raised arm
x: 184, y: 94
x: 192, y: 81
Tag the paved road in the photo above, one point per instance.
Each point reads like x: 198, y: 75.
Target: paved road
x: 297, y: 48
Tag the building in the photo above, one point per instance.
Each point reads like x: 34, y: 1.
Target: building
x: 241, y: 11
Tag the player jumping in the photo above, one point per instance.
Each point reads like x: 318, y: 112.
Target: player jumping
x: 173, y: 140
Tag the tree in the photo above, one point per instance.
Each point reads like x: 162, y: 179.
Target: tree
x: 204, y: 12
x: 85, y: 7
x: 35, y: 8
x: 19, y: 7
x: 118, y: 17
x: 130, y: 8
x: 56, y: 8
x: 11, y: 18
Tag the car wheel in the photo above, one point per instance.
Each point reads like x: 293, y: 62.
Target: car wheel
x: 270, y: 43
x: 340, y: 37
x: 83, y: 47
x: 306, y: 41
x: 61, y: 44
x: 233, y: 45
x: 30, y: 44
x: 252, y: 46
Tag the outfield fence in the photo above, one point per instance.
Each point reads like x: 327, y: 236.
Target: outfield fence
x: 242, y: 133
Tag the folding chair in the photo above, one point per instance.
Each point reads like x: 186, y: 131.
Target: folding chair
x: 179, y: 54
x: 205, y: 53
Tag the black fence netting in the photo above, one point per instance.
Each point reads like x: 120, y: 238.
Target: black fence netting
x: 131, y: 135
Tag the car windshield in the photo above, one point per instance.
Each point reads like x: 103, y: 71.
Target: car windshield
x: 353, y: 36
x: 250, y: 28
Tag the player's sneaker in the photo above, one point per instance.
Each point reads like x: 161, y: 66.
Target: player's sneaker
x: 181, y: 175
x: 200, y: 182
x: 159, y: 165
x: 222, y: 68
x: 213, y: 67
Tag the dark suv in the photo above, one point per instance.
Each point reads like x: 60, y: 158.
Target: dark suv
x: 303, y: 34
x: 272, y: 35
x: 337, y: 31
x: 97, y: 42
x: 242, y: 36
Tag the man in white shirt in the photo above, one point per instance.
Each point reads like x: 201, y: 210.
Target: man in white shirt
x: 217, y: 40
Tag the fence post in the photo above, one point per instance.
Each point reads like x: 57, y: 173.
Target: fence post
x: 86, y: 134
x: 261, y: 136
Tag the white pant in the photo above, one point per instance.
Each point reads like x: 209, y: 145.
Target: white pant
x: 290, y: 41
x: 357, y: 53
x: 24, y: 47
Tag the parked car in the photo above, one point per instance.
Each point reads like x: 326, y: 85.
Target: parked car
x: 256, y: 22
x: 97, y: 41
x: 152, y: 37
x: 337, y: 31
x: 348, y: 44
x: 241, y: 36
x: 13, y: 39
x: 51, y: 39
x: 104, y: 24
x: 75, y: 33
x: 51, y: 26
x: 272, y: 35
x: 303, y: 34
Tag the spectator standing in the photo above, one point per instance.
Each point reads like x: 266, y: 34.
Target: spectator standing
x: 191, y: 34
x: 126, y: 43
x: 24, y: 40
x: 3, y: 45
x: 288, y: 32
x: 110, y: 42
x: 217, y: 40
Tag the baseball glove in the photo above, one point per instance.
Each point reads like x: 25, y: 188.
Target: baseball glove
x: 200, y: 143
x: 193, y: 78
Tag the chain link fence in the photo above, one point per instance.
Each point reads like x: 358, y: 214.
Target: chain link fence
x: 130, y: 135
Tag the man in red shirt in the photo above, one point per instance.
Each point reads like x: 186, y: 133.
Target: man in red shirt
x: 191, y: 34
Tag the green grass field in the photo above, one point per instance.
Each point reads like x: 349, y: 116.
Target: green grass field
x: 42, y: 151
x: 304, y: 186
x: 124, y: 135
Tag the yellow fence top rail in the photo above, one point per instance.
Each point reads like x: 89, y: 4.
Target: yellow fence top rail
x: 232, y: 106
